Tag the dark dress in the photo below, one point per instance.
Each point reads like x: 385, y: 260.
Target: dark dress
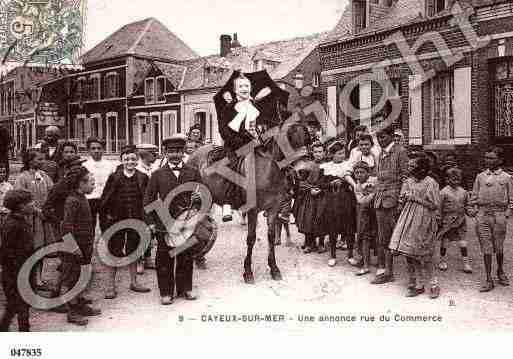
x: 338, y: 208
x: 17, y: 247
x: 306, y: 206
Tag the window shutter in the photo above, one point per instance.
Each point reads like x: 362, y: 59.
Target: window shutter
x: 463, y: 105
x: 87, y: 130
x: 100, y: 127
x: 135, y: 130
x: 366, y: 104
x: 331, y: 129
x: 415, y: 102
x: 430, y: 8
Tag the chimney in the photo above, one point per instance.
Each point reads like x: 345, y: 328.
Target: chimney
x: 235, y: 42
x: 226, y: 43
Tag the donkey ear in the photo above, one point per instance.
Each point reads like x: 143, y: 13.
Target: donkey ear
x: 263, y: 93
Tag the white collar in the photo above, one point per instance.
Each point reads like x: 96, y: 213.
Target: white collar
x: 143, y: 165
x: 497, y: 172
x: 129, y: 175
x: 172, y: 166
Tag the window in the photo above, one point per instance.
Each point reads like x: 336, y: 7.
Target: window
x: 360, y: 15
x: 161, y: 89
x: 433, y: 7
x: 503, y: 99
x: 112, y: 85
x: 34, y: 96
x: 13, y: 97
x: 95, y: 127
x: 9, y: 103
x: 201, y: 119
x: 94, y: 87
x: 80, y: 128
x: 169, y: 124
x: 316, y: 79
x: 149, y: 90
x: 440, y: 5
x: 442, y: 100
x: 80, y: 89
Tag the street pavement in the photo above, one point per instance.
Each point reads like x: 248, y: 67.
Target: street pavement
x: 309, y: 288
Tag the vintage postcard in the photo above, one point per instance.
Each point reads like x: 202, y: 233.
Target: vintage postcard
x: 296, y: 168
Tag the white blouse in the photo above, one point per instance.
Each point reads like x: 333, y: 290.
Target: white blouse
x: 340, y: 170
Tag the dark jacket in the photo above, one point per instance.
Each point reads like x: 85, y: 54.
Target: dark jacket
x: 17, y: 241
x: 78, y: 221
x: 53, y: 208
x: 391, y: 172
x: 162, y: 182
x: 110, y: 204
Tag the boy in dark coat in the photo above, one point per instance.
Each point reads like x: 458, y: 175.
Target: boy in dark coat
x: 78, y: 222
x: 122, y: 199
x: 17, y: 247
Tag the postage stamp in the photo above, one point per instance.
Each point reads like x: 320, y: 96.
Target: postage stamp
x: 41, y: 31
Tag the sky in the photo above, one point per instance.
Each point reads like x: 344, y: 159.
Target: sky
x: 199, y: 23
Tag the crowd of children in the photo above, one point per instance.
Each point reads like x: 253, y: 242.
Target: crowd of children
x: 79, y: 196
x: 369, y: 197
x: 385, y: 201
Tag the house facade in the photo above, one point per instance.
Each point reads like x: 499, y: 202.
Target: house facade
x: 127, y: 92
x: 441, y: 74
x: 20, y: 108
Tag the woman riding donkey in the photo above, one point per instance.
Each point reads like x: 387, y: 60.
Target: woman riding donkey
x: 247, y: 106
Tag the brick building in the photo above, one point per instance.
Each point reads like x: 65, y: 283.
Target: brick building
x: 20, y: 109
x: 127, y: 92
x: 466, y: 104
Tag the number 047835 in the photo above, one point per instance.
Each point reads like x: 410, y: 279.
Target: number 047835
x: 26, y: 352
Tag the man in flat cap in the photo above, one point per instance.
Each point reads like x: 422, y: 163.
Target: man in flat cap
x: 164, y: 180
x: 392, y: 169
x: 246, y: 106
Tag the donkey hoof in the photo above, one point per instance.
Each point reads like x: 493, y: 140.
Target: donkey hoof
x: 248, y: 278
x: 276, y: 275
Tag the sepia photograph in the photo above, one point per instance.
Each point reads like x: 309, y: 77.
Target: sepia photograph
x: 292, y: 169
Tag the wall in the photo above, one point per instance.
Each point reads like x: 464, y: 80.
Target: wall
x: 201, y: 101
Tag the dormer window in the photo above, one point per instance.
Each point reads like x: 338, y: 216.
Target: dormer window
x: 149, y: 91
x: 434, y: 7
x: 359, y: 15
x: 160, y: 88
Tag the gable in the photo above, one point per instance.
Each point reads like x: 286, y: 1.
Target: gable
x: 146, y: 38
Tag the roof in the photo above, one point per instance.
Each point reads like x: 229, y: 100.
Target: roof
x: 287, y: 54
x: 147, y: 38
x: 174, y: 73
x: 401, y: 13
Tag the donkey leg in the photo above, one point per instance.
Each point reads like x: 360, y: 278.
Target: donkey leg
x: 277, y: 227
x: 250, y: 241
x: 271, y: 236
